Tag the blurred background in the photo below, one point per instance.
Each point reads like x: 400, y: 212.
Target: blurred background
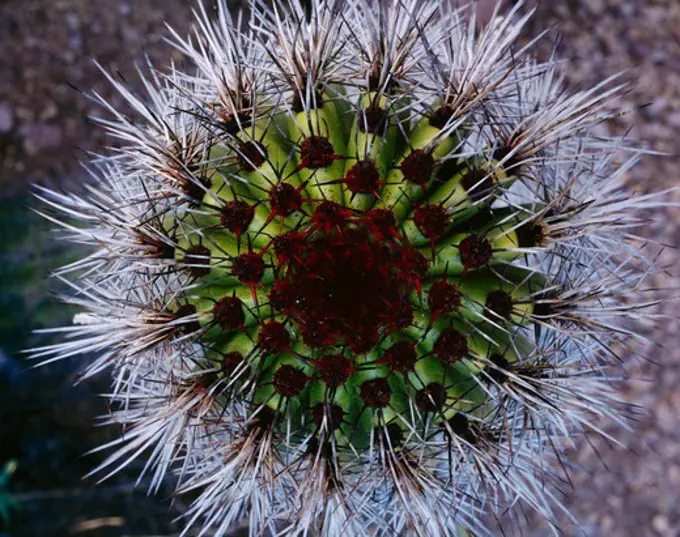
x: 47, y: 425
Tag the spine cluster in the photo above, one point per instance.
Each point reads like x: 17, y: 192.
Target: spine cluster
x: 357, y: 268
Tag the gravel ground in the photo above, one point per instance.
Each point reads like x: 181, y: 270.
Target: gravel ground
x: 47, y: 52
x: 46, y: 49
x: 635, y: 490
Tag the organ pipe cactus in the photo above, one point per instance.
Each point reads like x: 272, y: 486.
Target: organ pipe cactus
x: 357, y: 268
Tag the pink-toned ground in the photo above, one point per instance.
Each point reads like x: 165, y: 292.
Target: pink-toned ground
x: 635, y: 491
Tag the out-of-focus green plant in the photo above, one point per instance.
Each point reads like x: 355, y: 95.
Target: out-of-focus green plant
x: 8, y: 504
x: 28, y: 252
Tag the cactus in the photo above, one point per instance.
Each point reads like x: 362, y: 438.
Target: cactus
x: 359, y: 270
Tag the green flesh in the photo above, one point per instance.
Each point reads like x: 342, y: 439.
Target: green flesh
x: 485, y: 334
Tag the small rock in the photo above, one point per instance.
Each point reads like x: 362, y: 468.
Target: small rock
x: 130, y: 35
x: 49, y: 111
x: 674, y: 119
x: 661, y: 524
x: 658, y: 56
x: 38, y: 137
x: 6, y: 118
x: 596, y: 6
x: 72, y: 21
x: 124, y: 9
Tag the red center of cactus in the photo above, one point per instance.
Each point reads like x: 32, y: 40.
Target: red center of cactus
x: 329, y: 216
x: 273, y: 337
x: 376, y: 393
x: 346, y: 281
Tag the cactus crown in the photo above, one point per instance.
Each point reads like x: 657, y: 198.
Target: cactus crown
x: 358, y: 269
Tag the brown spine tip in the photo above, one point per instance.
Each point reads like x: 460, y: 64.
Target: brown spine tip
x: 263, y: 421
x: 513, y: 163
x: 431, y: 220
x: 393, y: 436
x: 477, y: 183
x: 546, y: 306
x: 289, y: 381
x: 333, y: 414
x: 236, y: 216
x: 196, y: 187
x: 431, y: 398
x: 498, y: 375
x: 530, y: 235
x: 248, y: 268
x: 460, y: 426
x: 206, y: 380
x: 231, y: 123
x: 316, y: 152
x: 189, y: 327
x: 284, y: 199
x: 230, y: 361
x: 475, y: 251
x: 418, y: 167
x: 334, y: 370
x: 299, y: 105
x: 451, y: 347
x: 500, y: 303
x: 441, y: 116
x: 401, y: 357
x: 444, y: 298
x: 198, y: 257
x: 363, y: 178
x: 251, y: 155
x: 157, y: 247
x: 273, y: 338
x: 373, y: 120
x: 376, y: 393
x: 228, y: 313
